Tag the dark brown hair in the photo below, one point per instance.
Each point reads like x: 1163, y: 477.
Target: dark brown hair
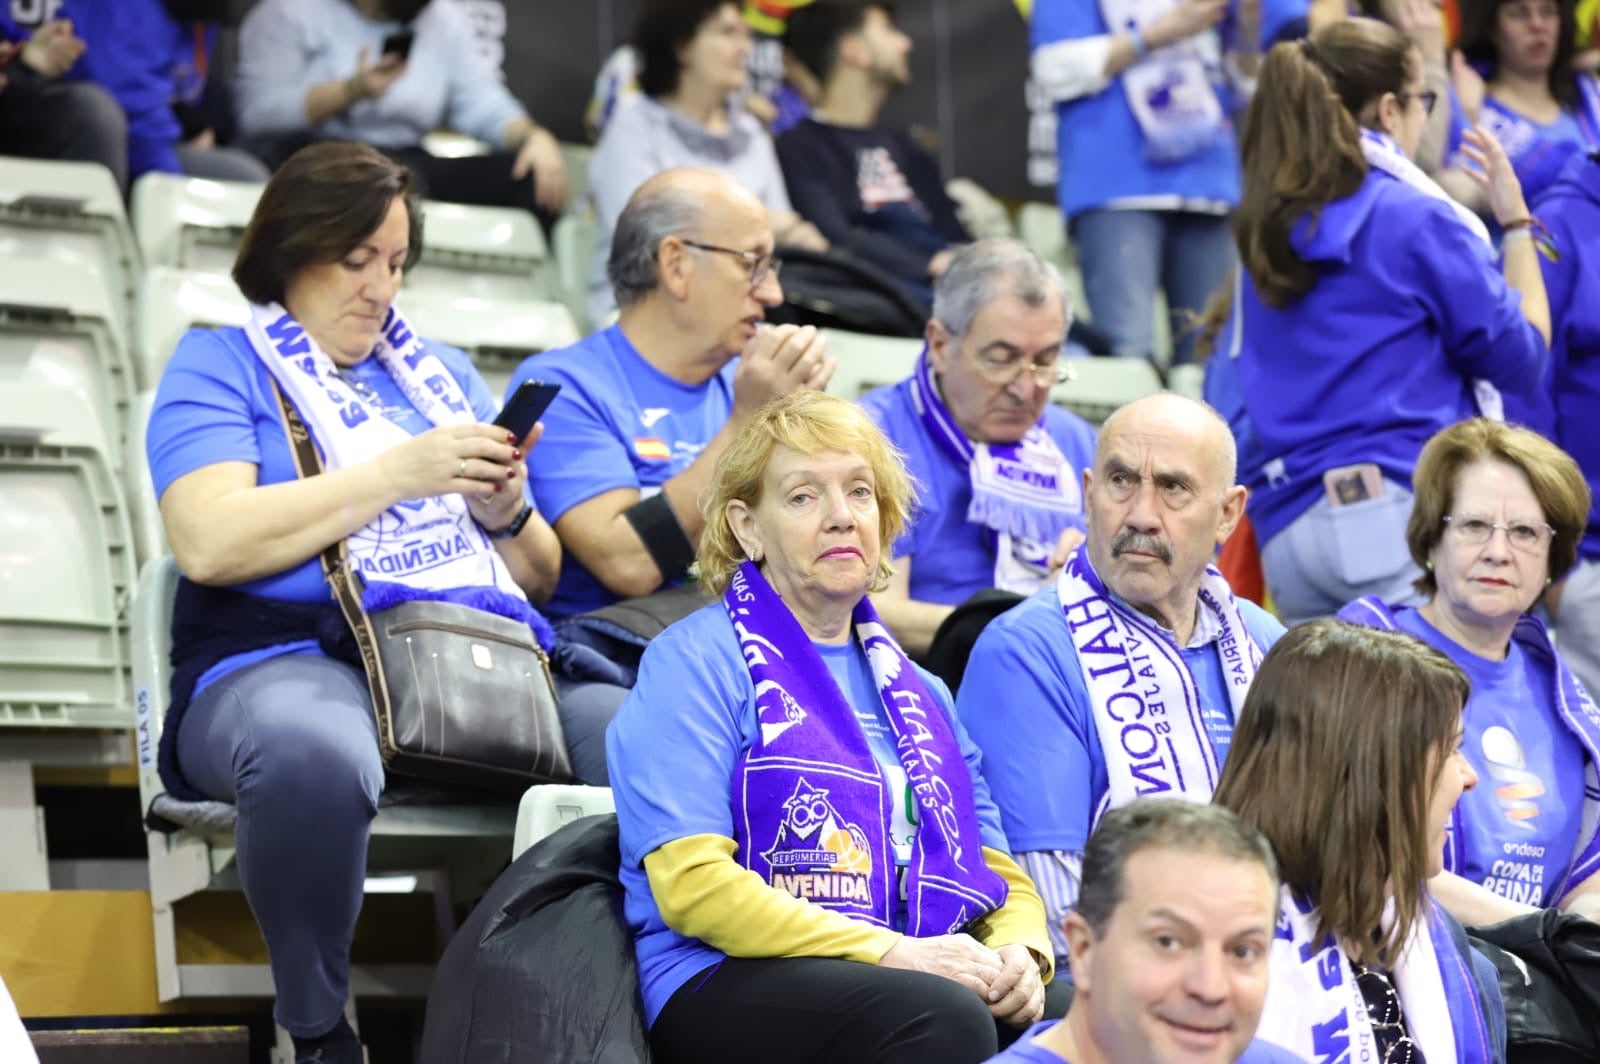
x: 1477, y: 44
x: 1555, y: 478
x: 322, y: 202
x: 662, y: 30
x: 1301, y: 147
x: 814, y: 32
x: 1334, y: 759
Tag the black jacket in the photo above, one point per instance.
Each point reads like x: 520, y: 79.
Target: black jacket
x: 543, y: 970
x: 1549, y: 968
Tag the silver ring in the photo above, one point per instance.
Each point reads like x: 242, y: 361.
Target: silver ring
x: 461, y: 470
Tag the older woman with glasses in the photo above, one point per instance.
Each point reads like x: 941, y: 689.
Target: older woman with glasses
x: 1498, y: 515
x: 813, y: 867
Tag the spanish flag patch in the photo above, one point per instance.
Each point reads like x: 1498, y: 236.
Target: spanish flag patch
x: 652, y: 447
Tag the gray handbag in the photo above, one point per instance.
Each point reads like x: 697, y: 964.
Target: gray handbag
x: 460, y: 695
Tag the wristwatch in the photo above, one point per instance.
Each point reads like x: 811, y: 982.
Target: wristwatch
x: 511, y: 530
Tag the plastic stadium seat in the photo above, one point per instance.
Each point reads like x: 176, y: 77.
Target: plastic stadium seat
x: 192, y: 222
x: 1100, y: 385
x: 577, y: 158
x: 497, y: 333
x: 466, y: 841
x: 866, y: 362
x: 144, y: 510
x: 56, y: 329
x: 489, y: 252
x: 575, y: 236
x: 66, y: 566
x: 546, y: 808
x: 173, y: 301
x: 71, y: 212
x: 1188, y: 379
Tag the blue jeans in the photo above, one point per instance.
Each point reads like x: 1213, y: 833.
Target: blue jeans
x: 291, y: 742
x: 1126, y: 256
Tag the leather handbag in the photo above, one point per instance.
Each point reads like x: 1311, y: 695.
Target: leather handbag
x: 461, y: 695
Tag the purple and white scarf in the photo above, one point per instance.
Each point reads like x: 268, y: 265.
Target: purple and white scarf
x: 1147, y: 710
x: 812, y: 807
x: 1025, y: 493
x: 1169, y: 90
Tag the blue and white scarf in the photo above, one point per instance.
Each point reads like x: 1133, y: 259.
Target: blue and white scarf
x: 812, y: 808
x: 1578, y: 713
x: 1169, y: 90
x: 1382, y: 153
x: 420, y: 548
x: 1315, y: 1009
x: 1147, y: 709
x: 1025, y: 493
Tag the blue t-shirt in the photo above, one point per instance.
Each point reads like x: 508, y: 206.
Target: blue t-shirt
x: 618, y: 423
x: 1570, y: 210
x: 1518, y: 845
x: 1024, y: 703
x: 1027, y: 1051
x: 951, y: 557
x: 1379, y: 354
x: 215, y: 404
x: 672, y: 748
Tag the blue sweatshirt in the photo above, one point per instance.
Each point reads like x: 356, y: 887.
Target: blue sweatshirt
x: 137, y: 52
x: 1407, y: 310
x: 1100, y: 144
x: 1570, y: 209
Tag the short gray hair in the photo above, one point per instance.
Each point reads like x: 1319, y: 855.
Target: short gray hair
x: 1161, y: 824
x: 652, y: 215
x: 985, y: 269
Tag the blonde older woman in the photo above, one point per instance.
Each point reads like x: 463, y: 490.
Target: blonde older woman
x: 813, y: 866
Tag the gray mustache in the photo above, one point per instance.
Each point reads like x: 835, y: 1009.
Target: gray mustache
x: 1140, y: 542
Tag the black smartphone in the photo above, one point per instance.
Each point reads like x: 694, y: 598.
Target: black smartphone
x: 399, y: 44
x: 526, y: 405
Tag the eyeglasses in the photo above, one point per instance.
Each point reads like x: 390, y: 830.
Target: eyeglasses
x: 760, y: 265
x: 1388, y: 1021
x: 1475, y: 532
x: 1005, y: 371
x: 1427, y: 96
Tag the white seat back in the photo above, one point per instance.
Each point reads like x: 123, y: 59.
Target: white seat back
x: 1188, y: 379
x: 173, y: 301
x: 497, y: 333
x: 546, y: 808
x: 71, y: 212
x: 192, y: 222
x: 151, y: 643
x: 1100, y: 385
x: 575, y: 236
x: 58, y: 330
x: 66, y: 566
x: 144, y: 510
x: 488, y: 252
x: 866, y: 362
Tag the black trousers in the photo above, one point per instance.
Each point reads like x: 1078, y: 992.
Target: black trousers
x: 796, y: 1010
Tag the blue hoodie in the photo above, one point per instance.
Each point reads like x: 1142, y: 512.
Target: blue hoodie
x: 1570, y: 209
x: 1407, y: 310
x: 140, y: 54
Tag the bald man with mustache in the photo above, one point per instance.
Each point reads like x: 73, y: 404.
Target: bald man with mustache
x: 1122, y: 678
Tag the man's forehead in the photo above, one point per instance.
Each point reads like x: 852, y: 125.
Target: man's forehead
x: 1005, y: 319
x: 1160, y: 880
x: 1166, y: 448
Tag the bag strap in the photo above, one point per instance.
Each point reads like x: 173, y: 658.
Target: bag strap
x: 345, y: 584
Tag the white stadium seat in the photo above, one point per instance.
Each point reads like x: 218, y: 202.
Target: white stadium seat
x: 1100, y: 385
x: 173, y: 301
x: 192, y: 222
x: 56, y: 329
x: 575, y: 235
x: 497, y: 333
x: 866, y: 362
x: 488, y: 252
x: 66, y: 566
x: 545, y: 809
x: 73, y: 213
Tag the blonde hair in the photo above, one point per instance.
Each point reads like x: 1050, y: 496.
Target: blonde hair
x: 808, y: 423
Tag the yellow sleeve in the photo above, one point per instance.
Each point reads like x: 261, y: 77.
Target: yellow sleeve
x: 1021, y: 919
x: 703, y: 893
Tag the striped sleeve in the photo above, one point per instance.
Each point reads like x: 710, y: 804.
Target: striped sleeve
x: 1057, y: 874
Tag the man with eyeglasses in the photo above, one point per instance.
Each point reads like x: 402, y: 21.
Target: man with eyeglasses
x: 998, y: 463
x: 1123, y: 677
x: 1171, y: 943
x: 648, y: 405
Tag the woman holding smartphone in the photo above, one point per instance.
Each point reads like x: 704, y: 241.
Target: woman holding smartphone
x: 1369, y: 312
